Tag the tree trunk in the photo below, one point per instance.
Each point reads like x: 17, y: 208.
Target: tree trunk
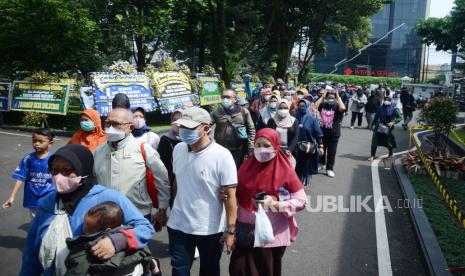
x: 285, y: 44
x: 202, y: 46
x: 140, y: 54
x: 220, y: 58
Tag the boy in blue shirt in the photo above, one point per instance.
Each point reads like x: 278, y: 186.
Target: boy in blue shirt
x: 33, y: 171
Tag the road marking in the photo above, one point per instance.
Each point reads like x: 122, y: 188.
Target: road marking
x: 382, y: 242
x: 22, y: 135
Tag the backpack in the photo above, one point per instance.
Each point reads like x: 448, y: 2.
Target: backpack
x: 150, y: 180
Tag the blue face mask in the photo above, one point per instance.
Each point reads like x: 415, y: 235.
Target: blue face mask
x: 189, y: 136
x: 87, y: 126
x: 227, y: 103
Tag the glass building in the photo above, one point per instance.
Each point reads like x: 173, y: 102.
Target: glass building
x: 399, y: 54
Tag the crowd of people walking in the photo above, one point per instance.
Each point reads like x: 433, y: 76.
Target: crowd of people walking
x: 97, y: 201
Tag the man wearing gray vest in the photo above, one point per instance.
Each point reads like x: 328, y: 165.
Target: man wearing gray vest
x: 120, y: 165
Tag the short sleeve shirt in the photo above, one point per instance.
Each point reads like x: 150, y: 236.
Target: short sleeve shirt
x: 197, y: 208
x: 33, y: 171
x: 335, y: 130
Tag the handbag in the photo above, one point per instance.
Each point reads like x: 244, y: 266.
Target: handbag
x: 383, y: 129
x: 239, y: 129
x: 245, y: 234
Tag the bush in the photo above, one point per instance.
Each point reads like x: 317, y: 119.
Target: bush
x: 356, y: 80
x: 440, y: 114
x: 34, y: 119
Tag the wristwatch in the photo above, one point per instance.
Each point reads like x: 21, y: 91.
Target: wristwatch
x: 230, y: 230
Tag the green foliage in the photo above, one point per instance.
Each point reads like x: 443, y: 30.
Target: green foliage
x: 440, y: 114
x: 447, y: 33
x: 450, y: 233
x: 34, y: 118
x: 356, y: 80
x: 133, y: 29
x: 50, y: 35
x: 438, y: 79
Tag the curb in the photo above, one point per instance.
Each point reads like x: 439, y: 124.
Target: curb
x: 456, y: 144
x: 435, y: 261
x: 61, y: 133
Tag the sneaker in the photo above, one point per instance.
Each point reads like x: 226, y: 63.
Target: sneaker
x: 321, y: 167
x: 404, y: 126
x: 352, y: 127
x: 330, y: 173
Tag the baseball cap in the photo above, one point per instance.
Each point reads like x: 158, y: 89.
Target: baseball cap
x: 193, y: 117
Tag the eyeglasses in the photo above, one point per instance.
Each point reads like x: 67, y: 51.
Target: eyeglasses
x: 63, y: 171
x: 115, y: 124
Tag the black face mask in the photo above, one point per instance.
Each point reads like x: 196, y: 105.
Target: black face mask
x: 330, y: 104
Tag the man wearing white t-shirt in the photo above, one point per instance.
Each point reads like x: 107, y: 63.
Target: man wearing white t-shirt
x: 199, y: 218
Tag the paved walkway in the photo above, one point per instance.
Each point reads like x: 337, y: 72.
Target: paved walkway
x: 329, y: 243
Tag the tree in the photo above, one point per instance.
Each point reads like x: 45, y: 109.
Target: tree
x: 52, y: 35
x: 310, y: 22
x: 217, y: 32
x: 447, y: 33
x: 440, y: 115
x: 133, y: 29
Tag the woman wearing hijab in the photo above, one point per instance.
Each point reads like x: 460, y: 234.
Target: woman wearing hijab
x: 287, y: 128
x: 61, y: 215
x: 166, y: 147
x: 91, y: 135
x: 383, y: 125
x: 268, y: 112
x: 141, y: 132
x: 268, y: 171
x: 331, y: 108
x: 309, y: 147
x: 303, y: 109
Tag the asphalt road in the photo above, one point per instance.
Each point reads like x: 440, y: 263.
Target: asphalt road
x: 329, y: 243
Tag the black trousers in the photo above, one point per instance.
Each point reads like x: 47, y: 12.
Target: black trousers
x: 355, y: 116
x: 330, y: 148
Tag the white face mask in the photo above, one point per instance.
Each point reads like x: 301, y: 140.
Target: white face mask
x: 387, y: 102
x: 139, y: 123
x: 114, y: 135
x: 300, y: 97
x: 273, y: 105
x: 267, y: 97
x: 283, y: 113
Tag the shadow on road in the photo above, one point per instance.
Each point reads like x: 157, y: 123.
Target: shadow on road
x: 159, y: 249
x: 354, y: 157
x: 357, y: 250
x: 24, y: 227
x: 12, y: 242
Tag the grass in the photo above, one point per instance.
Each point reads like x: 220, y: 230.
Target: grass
x: 159, y: 127
x: 449, y: 232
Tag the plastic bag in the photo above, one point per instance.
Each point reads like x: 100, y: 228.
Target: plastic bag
x: 263, y: 229
x: 53, y: 248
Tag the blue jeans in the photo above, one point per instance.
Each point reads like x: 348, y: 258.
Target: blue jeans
x: 182, y: 248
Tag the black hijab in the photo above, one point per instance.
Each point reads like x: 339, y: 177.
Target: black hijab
x: 82, y: 161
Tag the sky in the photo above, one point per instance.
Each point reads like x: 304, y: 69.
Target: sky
x: 439, y: 8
